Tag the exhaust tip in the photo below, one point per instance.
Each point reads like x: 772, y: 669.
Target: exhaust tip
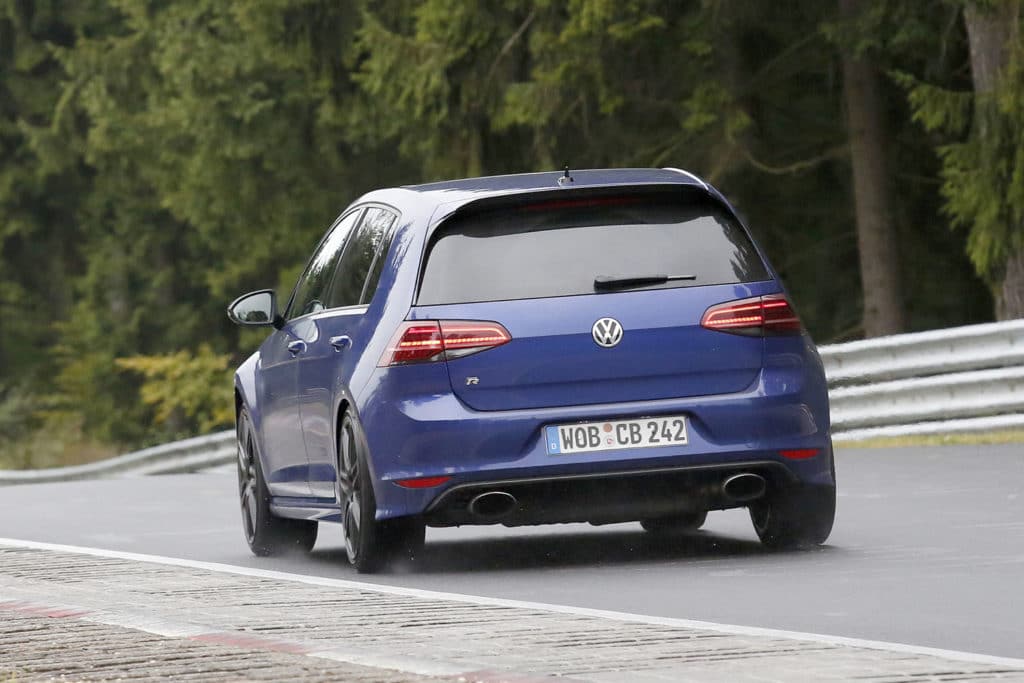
x: 744, y: 487
x: 492, y: 505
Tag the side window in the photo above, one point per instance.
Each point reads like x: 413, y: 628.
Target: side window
x: 309, y: 292
x: 359, y: 259
x: 377, y: 268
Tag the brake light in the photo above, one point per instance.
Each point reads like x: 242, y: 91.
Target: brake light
x: 760, y: 315
x: 432, y: 340
x: 554, y: 204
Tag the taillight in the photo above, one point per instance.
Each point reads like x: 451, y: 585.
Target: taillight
x: 427, y: 341
x: 415, y: 342
x: 462, y: 338
x: 767, y: 315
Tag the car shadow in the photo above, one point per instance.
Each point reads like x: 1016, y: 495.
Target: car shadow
x: 565, y: 550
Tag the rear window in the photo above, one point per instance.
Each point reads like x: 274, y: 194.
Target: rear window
x: 558, y: 248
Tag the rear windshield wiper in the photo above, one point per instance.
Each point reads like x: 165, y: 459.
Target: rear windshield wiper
x: 627, y: 281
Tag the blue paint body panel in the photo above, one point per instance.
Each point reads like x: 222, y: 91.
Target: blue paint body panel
x: 483, y: 417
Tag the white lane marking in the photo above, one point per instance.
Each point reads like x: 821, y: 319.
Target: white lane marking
x: 147, y: 624
x: 732, y: 629
x: 422, y: 667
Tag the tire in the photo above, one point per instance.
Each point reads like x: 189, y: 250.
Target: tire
x: 370, y: 544
x: 266, y: 534
x: 795, y: 518
x: 687, y: 521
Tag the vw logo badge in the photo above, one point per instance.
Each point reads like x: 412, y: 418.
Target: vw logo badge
x: 607, y: 332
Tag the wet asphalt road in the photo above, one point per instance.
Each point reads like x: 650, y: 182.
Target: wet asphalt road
x: 928, y: 549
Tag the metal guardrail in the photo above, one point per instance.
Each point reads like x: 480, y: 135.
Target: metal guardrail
x: 922, y: 354
x: 963, y: 379
x: 189, y: 455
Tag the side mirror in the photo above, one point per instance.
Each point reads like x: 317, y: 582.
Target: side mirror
x: 256, y: 309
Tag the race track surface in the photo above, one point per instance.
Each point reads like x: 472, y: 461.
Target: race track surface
x: 928, y: 550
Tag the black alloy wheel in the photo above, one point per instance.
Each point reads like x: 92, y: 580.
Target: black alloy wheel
x: 795, y: 518
x: 266, y: 534
x: 370, y: 544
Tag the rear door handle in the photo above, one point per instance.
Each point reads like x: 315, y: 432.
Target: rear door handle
x: 296, y: 347
x: 340, y: 342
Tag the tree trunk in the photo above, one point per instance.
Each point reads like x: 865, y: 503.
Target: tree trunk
x: 1010, y: 298
x: 475, y: 151
x: 876, y: 237
x: 991, y: 32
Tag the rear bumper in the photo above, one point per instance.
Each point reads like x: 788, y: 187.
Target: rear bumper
x: 605, y: 498
x: 434, y: 434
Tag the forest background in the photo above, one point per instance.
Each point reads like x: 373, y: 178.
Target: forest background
x: 159, y: 157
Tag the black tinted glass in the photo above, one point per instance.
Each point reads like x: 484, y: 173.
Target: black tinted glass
x: 356, y: 262
x: 559, y: 248
x: 309, y: 292
x: 387, y: 220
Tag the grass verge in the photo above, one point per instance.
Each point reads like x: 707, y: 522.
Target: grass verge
x: 965, y: 439
x: 53, y: 447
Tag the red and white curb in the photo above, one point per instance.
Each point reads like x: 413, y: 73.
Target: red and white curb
x: 410, y: 665
x: 253, y: 642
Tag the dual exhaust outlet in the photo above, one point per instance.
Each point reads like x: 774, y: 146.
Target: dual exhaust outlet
x: 744, y: 487
x: 492, y: 506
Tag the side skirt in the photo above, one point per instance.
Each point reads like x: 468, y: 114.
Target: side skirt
x: 311, y: 509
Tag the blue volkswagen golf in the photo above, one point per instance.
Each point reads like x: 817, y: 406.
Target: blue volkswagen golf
x: 603, y: 346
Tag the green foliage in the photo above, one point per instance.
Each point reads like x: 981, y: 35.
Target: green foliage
x: 18, y: 408
x: 938, y: 109
x: 159, y: 158
x: 187, y: 386
x: 434, y: 73
x: 166, y: 157
x: 28, y: 441
x: 983, y: 166
x: 920, y: 41
x: 37, y: 194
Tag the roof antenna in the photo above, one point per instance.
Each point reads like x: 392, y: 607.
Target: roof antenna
x: 565, y: 178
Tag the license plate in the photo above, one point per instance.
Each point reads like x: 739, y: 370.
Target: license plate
x: 647, y: 432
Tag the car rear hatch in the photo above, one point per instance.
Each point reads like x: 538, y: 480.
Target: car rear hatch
x: 602, y: 298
